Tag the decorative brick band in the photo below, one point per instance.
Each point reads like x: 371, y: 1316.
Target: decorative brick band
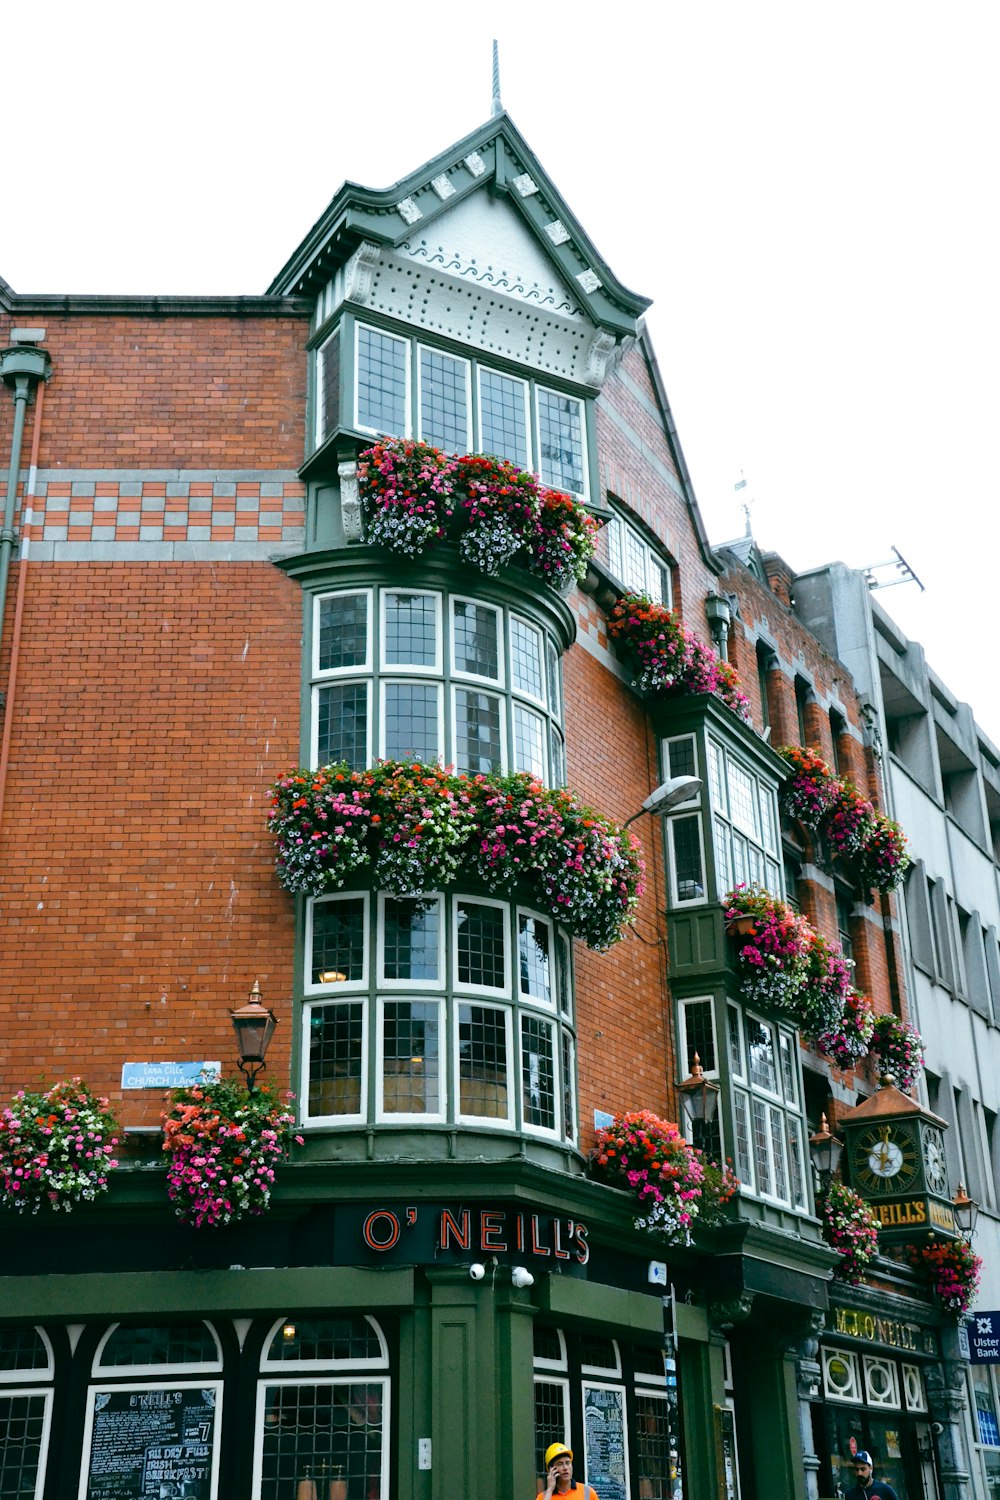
x: 104, y: 508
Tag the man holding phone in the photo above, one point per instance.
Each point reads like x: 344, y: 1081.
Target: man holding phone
x: 559, y: 1476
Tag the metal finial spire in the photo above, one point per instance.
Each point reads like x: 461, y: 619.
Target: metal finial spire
x: 497, y: 107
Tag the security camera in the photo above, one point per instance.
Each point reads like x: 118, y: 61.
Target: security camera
x: 937, y: 1428
x: 521, y: 1278
x: 477, y: 1271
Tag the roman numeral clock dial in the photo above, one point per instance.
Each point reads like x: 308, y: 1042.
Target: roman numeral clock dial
x: 885, y: 1159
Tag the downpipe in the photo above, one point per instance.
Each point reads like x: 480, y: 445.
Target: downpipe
x: 21, y: 366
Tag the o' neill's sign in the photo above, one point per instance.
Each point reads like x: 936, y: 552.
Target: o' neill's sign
x: 448, y: 1233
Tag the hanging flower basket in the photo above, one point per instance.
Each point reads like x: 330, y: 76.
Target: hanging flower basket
x: 848, y: 1040
x: 56, y: 1148
x: 811, y: 791
x: 898, y: 1050
x: 223, y: 1145
x: 415, y: 497
x: 849, y: 1227
x: 674, y: 1183
x: 416, y: 827
x: 772, y: 956
x: 953, y: 1269
x: 668, y: 659
x: 851, y: 826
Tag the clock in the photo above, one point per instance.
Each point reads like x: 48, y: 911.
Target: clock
x: 935, y: 1167
x: 884, y: 1159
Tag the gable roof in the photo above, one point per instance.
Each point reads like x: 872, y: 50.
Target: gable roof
x: 493, y: 158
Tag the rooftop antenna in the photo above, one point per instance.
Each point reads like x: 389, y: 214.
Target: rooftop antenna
x: 745, y: 502
x: 901, y: 566
x: 497, y: 106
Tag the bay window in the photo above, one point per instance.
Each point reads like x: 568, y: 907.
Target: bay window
x: 403, y: 387
x: 461, y: 1014
x: 423, y: 675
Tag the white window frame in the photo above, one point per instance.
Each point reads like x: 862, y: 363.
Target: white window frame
x: 358, y: 669
x: 26, y: 1392
x: 686, y: 1057
x: 914, y: 1389
x: 487, y: 369
x: 310, y: 1121
x: 322, y: 1379
x: 385, y: 681
x: 408, y: 381
x: 491, y: 690
x: 403, y: 1117
x: 527, y: 997
x: 500, y: 681
x: 319, y: 385
x: 336, y: 987
x: 615, y: 1369
x: 539, y: 1018
x: 552, y: 484
x: 833, y: 1392
x: 406, y: 669
x: 488, y: 991
x: 469, y: 404
x: 567, y: 1068
x: 520, y: 692
x: 105, y: 1387
x: 286, y: 1366
x: 675, y: 898
x: 366, y: 683
x: 540, y: 1363
x: 678, y: 739
x: 748, y: 1184
x: 489, y: 1122
x: 619, y: 527
x: 99, y: 1371
x: 424, y: 986
x: 32, y: 1373
x: 542, y: 774
x: 874, y: 1362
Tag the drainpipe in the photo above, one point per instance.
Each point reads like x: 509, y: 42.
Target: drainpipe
x: 21, y: 367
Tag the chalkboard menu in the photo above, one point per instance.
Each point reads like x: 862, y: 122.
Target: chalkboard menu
x: 604, y: 1429
x: 152, y: 1443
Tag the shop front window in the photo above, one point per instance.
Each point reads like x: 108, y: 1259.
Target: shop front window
x: 323, y: 1411
x: 26, y: 1372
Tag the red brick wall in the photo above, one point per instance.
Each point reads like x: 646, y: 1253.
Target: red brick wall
x: 155, y: 704
x: 170, y: 393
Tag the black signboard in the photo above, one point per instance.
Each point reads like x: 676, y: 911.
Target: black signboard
x: 604, y: 1430
x: 152, y: 1443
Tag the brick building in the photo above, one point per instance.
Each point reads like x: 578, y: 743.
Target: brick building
x: 192, y: 611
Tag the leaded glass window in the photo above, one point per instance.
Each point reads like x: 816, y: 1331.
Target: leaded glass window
x: 411, y: 940
x: 410, y: 635
x: 483, y: 1066
x: 560, y: 442
x: 336, y: 939
x: 478, y: 732
x: 481, y: 942
x: 476, y: 639
x: 336, y: 1057
x: 343, y: 632
x: 444, y: 401
x: 342, y: 724
x: 381, y: 382
x: 411, y: 1057
x: 411, y: 721
x: 503, y: 417
x: 538, y: 1073
x: 534, y: 942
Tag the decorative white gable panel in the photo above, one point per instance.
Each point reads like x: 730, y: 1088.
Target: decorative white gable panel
x: 484, y: 240
x: 476, y: 275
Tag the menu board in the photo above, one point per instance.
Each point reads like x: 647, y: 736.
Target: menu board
x: 152, y: 1443
x: 604, y: 1429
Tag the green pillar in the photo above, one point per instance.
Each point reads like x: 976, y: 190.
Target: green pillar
x: 479, y: 1390
x: 767, y: 1415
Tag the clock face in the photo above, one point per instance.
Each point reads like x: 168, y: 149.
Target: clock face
x: 935, y: 1167
x: 885, y: 1159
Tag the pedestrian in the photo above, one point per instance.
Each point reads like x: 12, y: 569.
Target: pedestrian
x: 559, y: 1475
x: 865, y: 1487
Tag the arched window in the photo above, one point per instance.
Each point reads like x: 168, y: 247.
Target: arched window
x: 153, y: 1409
x: 26, y: 1372
x: 323, y: 1410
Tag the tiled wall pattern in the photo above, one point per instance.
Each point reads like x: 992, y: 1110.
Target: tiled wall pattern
x: 70, y: 514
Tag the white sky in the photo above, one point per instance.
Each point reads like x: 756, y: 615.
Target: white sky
x: 808, y: 192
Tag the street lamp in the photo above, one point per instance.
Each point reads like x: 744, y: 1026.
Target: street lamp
x: 966, y: 1211
x: 671, y: 794
x: 699, y: 1095
x: 824, y: 1151
x: 254, y: 1028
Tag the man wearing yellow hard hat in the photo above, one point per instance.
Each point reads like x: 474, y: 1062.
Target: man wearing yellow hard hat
x: 559, y: 1475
